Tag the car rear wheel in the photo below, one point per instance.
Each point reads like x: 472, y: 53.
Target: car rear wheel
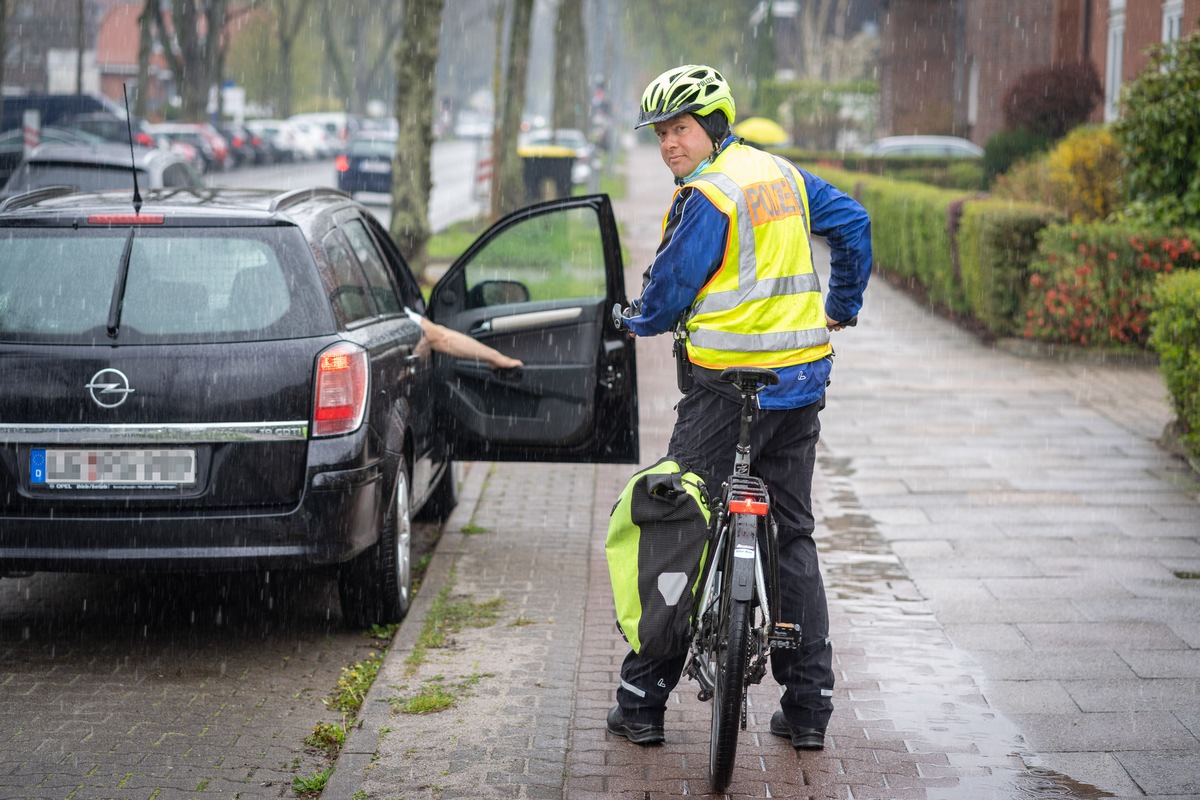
x: 375, y: 587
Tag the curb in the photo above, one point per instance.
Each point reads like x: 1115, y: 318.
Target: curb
x: 361, y: 747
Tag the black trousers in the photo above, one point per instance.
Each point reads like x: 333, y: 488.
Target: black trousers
x: 783, y: 453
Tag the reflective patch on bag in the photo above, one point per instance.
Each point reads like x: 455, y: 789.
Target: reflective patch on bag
x: 671, y: 586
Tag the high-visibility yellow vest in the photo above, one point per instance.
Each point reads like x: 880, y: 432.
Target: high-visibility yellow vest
x: 763, y: 307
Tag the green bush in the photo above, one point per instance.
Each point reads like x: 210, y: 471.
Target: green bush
x: 997, y: 241
x: 1159, y: 135
x: 1006, y: 148
x: 1080, y: 176
x: 1093, y: 284
x: 1176, y: 339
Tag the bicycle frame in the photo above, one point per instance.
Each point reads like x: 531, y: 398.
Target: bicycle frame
x: 735, y: 630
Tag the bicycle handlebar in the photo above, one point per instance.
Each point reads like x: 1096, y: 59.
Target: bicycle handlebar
x: 618, y: 317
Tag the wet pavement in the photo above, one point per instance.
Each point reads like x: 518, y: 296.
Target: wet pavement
x: 1011, y: 564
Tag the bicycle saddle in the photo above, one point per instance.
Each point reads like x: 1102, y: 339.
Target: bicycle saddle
x: 749, y: 379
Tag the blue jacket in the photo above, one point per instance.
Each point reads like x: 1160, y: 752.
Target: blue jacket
x: 691, y: 251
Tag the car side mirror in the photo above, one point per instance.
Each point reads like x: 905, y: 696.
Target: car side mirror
x: 496, y: 293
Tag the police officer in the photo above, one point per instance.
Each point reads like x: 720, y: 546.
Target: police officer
x: 735, y: 265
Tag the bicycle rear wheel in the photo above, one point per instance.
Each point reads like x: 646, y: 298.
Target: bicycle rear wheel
x: 729, y: 663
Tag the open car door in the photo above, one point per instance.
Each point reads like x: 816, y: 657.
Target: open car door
x: 540, y: 285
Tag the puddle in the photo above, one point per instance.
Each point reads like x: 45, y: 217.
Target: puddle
x: 928, y: 690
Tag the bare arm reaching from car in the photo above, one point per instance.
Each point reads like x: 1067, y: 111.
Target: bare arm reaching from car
x: 460, y: 345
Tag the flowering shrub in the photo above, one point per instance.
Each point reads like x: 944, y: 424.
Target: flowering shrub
x: 1080, y: 176
x: 1094, y: 284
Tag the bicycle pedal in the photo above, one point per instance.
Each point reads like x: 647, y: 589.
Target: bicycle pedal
x: 785, y: 636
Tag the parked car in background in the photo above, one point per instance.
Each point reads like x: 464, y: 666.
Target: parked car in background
x: 472, y: 124
x: 339, y: 126
x: 204, y: 137
x: 366, y: 166
x: 101, y: 166
x: 229, y: 380
x: 310, y: 140
x: 12, y: 145
x: 110, y: 128
x: 931, y: 146
x: 244, y: 146
x: 52, y: 108
x: 277, y: 138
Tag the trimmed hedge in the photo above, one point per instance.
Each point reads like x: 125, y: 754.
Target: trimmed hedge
x: 1176, y: 338
x: 969, y: 254
x: 997, y: 241
x: 1016, y: 269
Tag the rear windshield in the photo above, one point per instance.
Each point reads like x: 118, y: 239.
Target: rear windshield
x: 184, y: 285
x: 373, y: 148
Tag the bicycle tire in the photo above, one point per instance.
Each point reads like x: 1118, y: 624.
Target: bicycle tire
x: 732, y: 655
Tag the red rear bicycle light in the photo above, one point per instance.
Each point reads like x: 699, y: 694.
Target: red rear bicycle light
x: 755, y: 507
x: 126, y: 219
x: 340, y: 390
x: 341, y: 163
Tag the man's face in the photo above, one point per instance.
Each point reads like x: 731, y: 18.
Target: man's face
x: 683, y: 144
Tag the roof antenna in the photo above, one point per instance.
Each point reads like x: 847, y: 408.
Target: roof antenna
x: 137, y: 196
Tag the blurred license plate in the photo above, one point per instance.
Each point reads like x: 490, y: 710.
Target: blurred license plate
x: 112, y: 467
x: 378, y: 167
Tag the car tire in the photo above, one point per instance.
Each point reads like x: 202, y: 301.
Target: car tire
x: 376, y: 587
x: 444, y: 497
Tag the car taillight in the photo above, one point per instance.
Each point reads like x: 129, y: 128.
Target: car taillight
x: 341, y: 163
x: 126, y: 219
x: 144, y: 139
x: 341, y: 390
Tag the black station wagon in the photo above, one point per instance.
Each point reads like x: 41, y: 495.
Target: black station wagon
x: 229, y: 380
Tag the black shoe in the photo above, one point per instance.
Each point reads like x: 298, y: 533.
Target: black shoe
x: 802, y: 738
x: 633, y: 731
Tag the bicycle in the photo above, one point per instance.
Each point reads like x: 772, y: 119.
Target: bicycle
x: 735, y: 630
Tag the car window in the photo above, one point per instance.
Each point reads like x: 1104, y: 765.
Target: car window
x: 372, y: 148
x: 554, y: 256
x: 372, y: 263
x: 349, y: 295
x: 190, y: 285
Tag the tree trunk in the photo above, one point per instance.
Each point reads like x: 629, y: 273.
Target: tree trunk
x: 80, y: 43
x: 194, y: 53
x: 3, y: 35
x: 416, y: 67
x: 508, y: 184
x: 289, y: 28
x: 145, y: 33
x: 572, y: 98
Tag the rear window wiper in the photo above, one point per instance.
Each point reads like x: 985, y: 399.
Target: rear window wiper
x: 118, y: 298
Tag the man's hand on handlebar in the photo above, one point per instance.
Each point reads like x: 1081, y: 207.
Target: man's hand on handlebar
x: 618, y: 315
x: 833, y: 325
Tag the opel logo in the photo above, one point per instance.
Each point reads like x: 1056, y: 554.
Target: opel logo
x: 109, y: 388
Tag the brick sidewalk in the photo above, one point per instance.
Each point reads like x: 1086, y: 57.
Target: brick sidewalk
x: 1005, y: 555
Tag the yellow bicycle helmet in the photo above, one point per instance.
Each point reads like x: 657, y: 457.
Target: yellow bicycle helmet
x: 691, y: 89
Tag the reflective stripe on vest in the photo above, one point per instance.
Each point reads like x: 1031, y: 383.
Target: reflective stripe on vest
x: 713, y: 337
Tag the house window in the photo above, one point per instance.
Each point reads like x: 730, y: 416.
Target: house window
x: 1116, y: 48
x: 1172, y: 20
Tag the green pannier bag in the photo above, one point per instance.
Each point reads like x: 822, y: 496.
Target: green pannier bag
x: 657, y: 545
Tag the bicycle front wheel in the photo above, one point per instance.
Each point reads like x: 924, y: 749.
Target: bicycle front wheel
x: 729, y: 664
